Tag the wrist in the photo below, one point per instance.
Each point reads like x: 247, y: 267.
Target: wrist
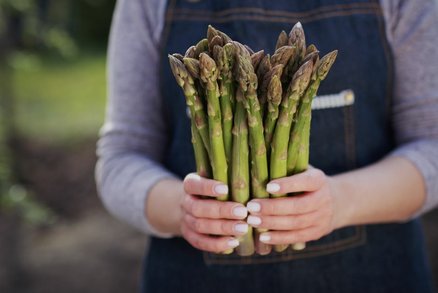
x: 343, y: 203
x: 163, y: 206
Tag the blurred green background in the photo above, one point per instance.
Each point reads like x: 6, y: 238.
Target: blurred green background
x: 55, y: 236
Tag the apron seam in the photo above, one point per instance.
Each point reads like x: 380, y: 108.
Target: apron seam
x: 215, y: 19
x: 255, y: 10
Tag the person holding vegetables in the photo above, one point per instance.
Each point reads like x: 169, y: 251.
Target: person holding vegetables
x: 375, y: 162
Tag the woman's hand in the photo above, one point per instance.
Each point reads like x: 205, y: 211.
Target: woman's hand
x: 299, y: 218
x: 209, y: 224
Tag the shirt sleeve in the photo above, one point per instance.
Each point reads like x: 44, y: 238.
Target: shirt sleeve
x: 131, y: 142
x: 411, y: 28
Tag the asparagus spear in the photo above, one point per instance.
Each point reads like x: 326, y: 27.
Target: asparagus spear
x: 298, y: 40
x: 186, y: 82
x: 212, y: 32
x: 298, y: 150
x: 256, y: 58
x: 263, y: 68
x: 191, y: 52
x: 282, y: 40
x: 247, y: 80
x: 280, y: 139
x: 208, y: 73
x: 224, y: 57
x: 201, y: 156
x: 240, y: 171
x: 282, y: 55
x: 275, y: 92
x: 201, y: 47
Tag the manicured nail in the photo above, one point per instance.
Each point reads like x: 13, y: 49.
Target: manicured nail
x: 255, y: 221
x: 265, y: 237
x: 221, y: 189
x: 233, y: 243
x: 272, y: 187
x: 253, y: 206
x: 240, y: 212
x: 241, y: 228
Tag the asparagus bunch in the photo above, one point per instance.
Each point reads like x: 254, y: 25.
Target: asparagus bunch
x: 257, y: 123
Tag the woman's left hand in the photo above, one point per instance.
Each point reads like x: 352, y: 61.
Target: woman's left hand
x: 299, y: 218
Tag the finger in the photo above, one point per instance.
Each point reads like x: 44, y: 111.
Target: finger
x: 285, y: 222
x: 208, y: 243
x: 288, y: 237
x: 195, y: 184
x: 214, y: 209
x: 310, y: 180
x: 216, y: 227
x: 294, y: 205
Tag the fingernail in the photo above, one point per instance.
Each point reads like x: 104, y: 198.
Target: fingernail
x: 240, y: 212
x: 221, y: 189
x: 253, y: 207
x: 241, y: 228
x: 265, y: 237
x: 252, y: 220
x: 233, y: 243
x: 272, y: 187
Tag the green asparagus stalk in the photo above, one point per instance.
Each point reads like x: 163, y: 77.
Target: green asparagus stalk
x: 282, y: 55
x: 187, y: 83
x: 282, y: 40
x: 208, y: 73
x: 280, y: 140
x: 200, y: 47
x: 240, y: 172
x: 298, y: 40
x: 298, y: 150
x: 263, y: 68
x: 275, y: 93
x: 212, y: 32
x: 224, y: 57
x: 191, y: 52
x: 256, y: 58
x: 201, y: 157
x: 247, y: 80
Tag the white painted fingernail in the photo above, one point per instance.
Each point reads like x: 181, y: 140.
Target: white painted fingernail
x: 240, y: 212
x: 272, y: 187
x: 299, y: 25
x: 252, y: 220
x: 233, y: 243
x: 265, y: 237
x: 241, y: 228
x: 221, y: 189
x: 253, y: 206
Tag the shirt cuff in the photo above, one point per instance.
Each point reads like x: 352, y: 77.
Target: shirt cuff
x: 424, y: 156
x: 141, y: 190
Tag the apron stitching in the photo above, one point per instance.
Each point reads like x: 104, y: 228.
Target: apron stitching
x: 274, y: 19
x: 254, y: 10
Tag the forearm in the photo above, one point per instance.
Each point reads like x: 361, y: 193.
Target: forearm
x: 391, y: 190
x: 163, y: 206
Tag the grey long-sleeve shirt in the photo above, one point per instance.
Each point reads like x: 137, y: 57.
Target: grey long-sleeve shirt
x: 130, y: 148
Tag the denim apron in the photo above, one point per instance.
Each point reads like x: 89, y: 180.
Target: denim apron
x: 375, y: 258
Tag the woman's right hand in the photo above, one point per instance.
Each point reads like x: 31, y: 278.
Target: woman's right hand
x: 209, y: 224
